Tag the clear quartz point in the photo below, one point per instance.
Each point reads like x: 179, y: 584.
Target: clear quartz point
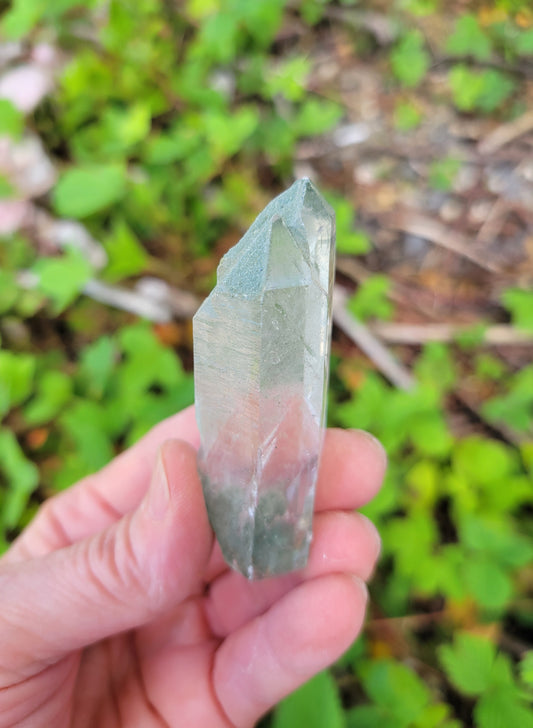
x: 261, y: 362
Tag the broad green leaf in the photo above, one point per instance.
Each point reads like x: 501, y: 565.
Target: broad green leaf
x: 315, y: 705
x: 409, y: 59
x: 62, y: 279
x: 468, y: 39
x: 288, y: 79
x: 430, y: 434
x: 526, y: 669
x: 9, y: 291
x: 496, y: 537
x: 483, y: 460
x: 83, y: 191
x: 350, y: 240
x: 11, y: 120
x: 86, y: 426
x: 316, y: 116
x: 21, y: 477
x: 442, y: 173
x: 395, y: 688
x: 514, y: 407
x: 226, y: 134
x: 496, y: 89
x: 501, y: 707
x: 406, y: 116
x: 468, y: 662
x: 97, y: 363
x: 370, y: 299
x: 16, y: 379
x: 519, y: 302
x: 524, y: 43
x: 126, y: 256
x: 54, y: 390
x: 435, y: 367
x: 372, y: 716
x: 487, y: 582
x: 467, y: 87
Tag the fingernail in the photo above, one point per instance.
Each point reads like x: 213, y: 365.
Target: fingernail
x: 376, y: 444
x: 159, y: 495
x: 361, y: 586
x: 372, y: 532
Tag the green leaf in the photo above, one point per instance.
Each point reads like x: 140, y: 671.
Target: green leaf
x: 11, y: 120
x: 501, y: 707
x: 442, y: 173
x: 526, y: 669
x: 395, y: 688
x: 483, y: 461
x: 225, y: 134
x: 16, y: 379
x: 316, y: 116
x: 515, y: 407
x: 409, y: 59
x: 519, y: 303
x: 86, y: 425
x: 9, y: 291
x: 126, y: 256
x: 406, y: 116
x: 97, y: 363
x: 466, y: 87
x: 370, y: 299
x: 62, y: 279
x: 435, y: 367
x: 469, y: 39
x: 83, y: 191
x: 487, y: 582
x: 524, y: 43
x: 22, y: 478
x: 350, y: 240
x: 315, y: 705
x: 372, y: 716
x: 468, y: 662
x: 496, y: 88
x: 288, y: 79
x: 54, y: 390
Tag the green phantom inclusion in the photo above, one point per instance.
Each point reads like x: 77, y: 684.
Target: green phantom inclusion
x: 261, y: 360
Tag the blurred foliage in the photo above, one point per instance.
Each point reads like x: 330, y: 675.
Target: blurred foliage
x: 167, y: 124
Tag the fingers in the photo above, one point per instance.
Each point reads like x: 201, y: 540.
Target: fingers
x: 274, y: 654
x: 342, y: 543
x: 120, y: 578
x: 352, y: 467
x: 101, y: 499
x: 351, y: 471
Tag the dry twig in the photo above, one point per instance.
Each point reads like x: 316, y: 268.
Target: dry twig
x: 506, y: 133
x: 396, y: 333
x: 385, y: 361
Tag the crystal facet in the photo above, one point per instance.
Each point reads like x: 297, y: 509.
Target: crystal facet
x: 261, y: 361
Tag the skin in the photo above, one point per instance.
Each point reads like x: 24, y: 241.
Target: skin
x: 117, y: 609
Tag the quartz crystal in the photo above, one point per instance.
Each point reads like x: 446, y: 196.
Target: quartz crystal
x: 261, y: 361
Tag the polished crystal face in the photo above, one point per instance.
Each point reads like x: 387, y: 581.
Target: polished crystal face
x: 261, y: 360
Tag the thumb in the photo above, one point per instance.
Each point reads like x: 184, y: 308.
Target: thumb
x: 121, y: 578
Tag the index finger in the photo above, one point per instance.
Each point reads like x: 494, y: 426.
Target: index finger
x: 351, y: 470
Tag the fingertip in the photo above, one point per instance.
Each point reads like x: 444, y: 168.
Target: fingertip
x: 300, y: 635
x: 352, y: 468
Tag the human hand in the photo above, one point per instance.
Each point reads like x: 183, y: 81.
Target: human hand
x: 116, y: 608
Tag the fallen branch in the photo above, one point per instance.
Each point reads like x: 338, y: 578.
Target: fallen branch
x: 130, y: 301
x: 506, y: 133
x: 421, y: 226
x: 361, y: 335
x: 499, y: 335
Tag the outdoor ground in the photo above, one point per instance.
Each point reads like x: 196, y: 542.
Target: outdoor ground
x: 158, y: 130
